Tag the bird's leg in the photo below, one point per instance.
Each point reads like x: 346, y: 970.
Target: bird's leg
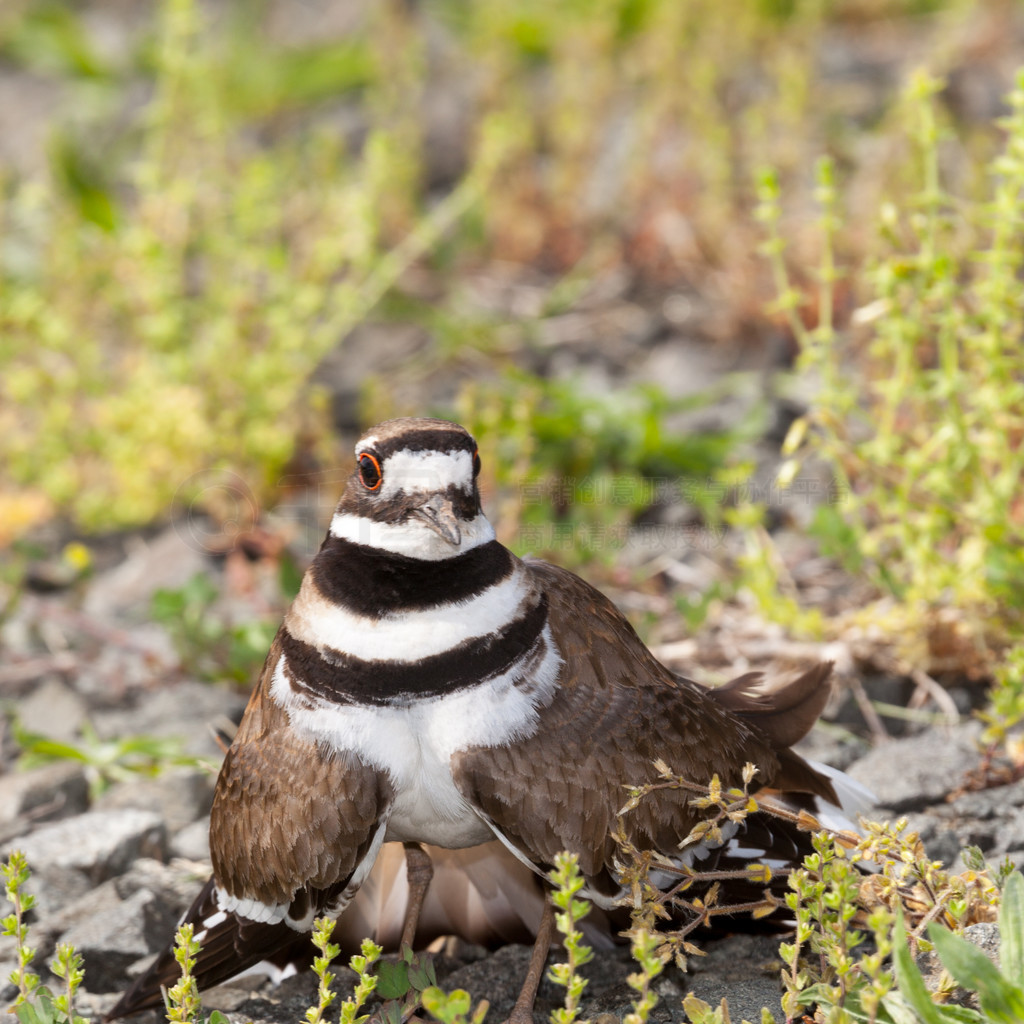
x: 522, y: 1012
x: 419, y: 870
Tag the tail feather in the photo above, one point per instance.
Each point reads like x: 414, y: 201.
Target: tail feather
x: 783, y: 711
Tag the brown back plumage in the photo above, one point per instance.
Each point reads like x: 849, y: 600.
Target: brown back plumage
x: 616, y: 710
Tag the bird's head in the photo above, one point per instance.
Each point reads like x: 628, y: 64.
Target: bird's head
x: 413, y: 491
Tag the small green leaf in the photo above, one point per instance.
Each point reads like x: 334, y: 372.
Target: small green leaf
x: 421, y: 973
x: 1011, y: 928
x: 393, y: 980
x: 909, y: 979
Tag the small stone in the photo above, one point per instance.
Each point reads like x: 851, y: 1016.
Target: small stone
x: 175, y: 885
x: 111, y: 938
x: 167, y: 561
x: 53, y: 710
x: 53, y: 791
x: 908, y: 774
x: 8, y: 990
x: 184, y: 710
x: 193, y: 841
x: 99, y: 844
x: 179, y: 797
x: 55, y: 888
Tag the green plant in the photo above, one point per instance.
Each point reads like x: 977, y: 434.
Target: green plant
x: 361, y: 964
x: 323, y: 928
x: 646, y: 952
x: 763, y: 575
x: 16, y: 874
x: 572, y: 470
x: 831, y: 965
x: 700, y: 1012
x: 106, y: 761
x: 453, y: 1007
x: 208, y: 644
x: 183, y: 1004
x: 923, y: 428
x: 170, y: 269
x: 1005, y: 710
x: 35, y: 1003
x: 900, y: 995
x: 401, y: 983
x: 824, y: 899
x: 1000, y: 989
x: 569, y: 911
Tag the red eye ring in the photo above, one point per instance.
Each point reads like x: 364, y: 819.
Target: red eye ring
x: 370, y: 474
x: 476, y: 462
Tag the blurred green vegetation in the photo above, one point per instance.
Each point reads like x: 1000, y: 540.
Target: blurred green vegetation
x: 226, y: 194
x: 920, y: 413
x: 189, y: 256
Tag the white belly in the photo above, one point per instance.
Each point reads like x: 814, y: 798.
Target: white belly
x: 413, y: 744
x: 429, y: 809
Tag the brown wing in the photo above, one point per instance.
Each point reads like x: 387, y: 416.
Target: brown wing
x: 288, y: 815
x: 615, y: 711
x: 290, y: 823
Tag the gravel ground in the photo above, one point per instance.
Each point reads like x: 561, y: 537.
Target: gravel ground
x: 112, y: 871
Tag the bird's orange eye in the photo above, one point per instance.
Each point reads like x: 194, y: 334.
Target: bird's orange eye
x: 476, y: 462
x: 369, y: 471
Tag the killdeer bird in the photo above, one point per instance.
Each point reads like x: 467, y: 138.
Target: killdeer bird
x: 429, y: 687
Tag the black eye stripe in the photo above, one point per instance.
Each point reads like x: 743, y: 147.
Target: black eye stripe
x: 476, y: 462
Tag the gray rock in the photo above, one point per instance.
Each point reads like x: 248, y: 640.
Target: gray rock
x: 908, y: 774
x: 181, y: 710
x: 53, y: 710
x: 996, y: 817
x: 98, y: 844
x: 54, y: 888
x: 44, y: 794
x: 112, y: 937
x: 192, y: 842
x: 175, y: 885
x: 166, y: 561
x: 743, y: 969
x: 179, y: 797
x: 997, y: 803
x: 985, y: 935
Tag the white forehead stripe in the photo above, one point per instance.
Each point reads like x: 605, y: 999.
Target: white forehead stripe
x: 413, y: 538
x: 425, y: 472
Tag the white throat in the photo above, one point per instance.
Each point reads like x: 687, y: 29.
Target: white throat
x: 413, y: 538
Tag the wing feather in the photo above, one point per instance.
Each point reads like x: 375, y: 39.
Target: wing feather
x: 615, y: 711
x: 287, y: 815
